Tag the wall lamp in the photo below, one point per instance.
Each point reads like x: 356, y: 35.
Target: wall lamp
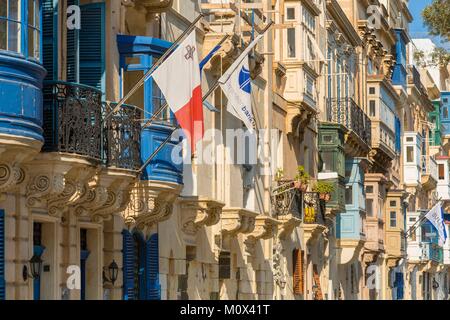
x: 113, y: 271
x: 35, y: 266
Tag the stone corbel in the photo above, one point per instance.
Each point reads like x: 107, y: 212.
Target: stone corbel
x: 150, y: 202
x: 228, y: 52
x: 237, y: 220
x: 43, y: 187
x: 199, y: 212
x: 10, y: 176
x: 265, y: 228
x: 153, y: 6
x: 287, y: 225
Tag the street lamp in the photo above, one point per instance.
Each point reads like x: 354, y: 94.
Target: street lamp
x: 35, y: 266
x: 113, y: 271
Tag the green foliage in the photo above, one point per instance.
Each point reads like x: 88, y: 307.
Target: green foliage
x: 438, y: 57
x: 302, y: 175
x: 323, y: 187
x: 279, y: 174
x: 437, y: 18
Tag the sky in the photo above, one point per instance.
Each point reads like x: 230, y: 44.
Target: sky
x: 417, y: 28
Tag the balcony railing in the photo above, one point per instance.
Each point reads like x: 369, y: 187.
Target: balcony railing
x: 346, y: 112
x: 72, y: 119
x: 313, y: 208
x: 429, y: 167
x: 74, y: 123
x: 286, y: 199
x: 432, y: 252
x: 122, y: 137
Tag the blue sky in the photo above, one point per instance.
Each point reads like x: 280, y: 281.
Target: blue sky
x: 416, y: 28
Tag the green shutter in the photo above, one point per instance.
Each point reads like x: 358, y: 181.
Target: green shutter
x: 92, y: 45
x: 2, y: 255
x: 128, y: 265
x: 50, y: 38
x: 152, y: 268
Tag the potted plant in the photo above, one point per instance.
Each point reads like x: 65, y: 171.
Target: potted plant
x: 324, y: 189
x: 301, y: 179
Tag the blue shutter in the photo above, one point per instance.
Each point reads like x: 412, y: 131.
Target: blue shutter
x: 128, y: 265
x: 72, y: 50
x: 2, y: 255
x: 152, y: 268
x: 92, y: 45
x: 399, y: 285
x: 398, y: 134
x: 50, y: 38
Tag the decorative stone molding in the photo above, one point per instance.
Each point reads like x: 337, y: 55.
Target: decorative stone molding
x: 237, y: 220
x: 42, y: 187
x: 199, y: 212
x: 265, y: 228
x: 287, y: 225
x: 150, y: 202
x: 152, y: 6
x: 10, y: 176
x: 72, y: 191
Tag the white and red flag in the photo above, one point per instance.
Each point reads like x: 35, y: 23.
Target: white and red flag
x: 178, y: 77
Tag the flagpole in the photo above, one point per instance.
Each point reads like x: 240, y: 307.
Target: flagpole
x: 155, y: 65
x: 158, y: 112
x: 205, y: 96
x: 414, y: 227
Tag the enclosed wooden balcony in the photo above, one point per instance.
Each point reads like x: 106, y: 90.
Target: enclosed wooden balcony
x: 345, y: 111
x: 429, y: 176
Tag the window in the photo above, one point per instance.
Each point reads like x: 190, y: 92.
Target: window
x: 445, y: 112
x: 371, y: 90
x: 372, y: 108
x: 369, y: 189
x: 348, y: 195
x: 445, y: 100
x: 309, y: 89
x: 409, y: 154
x: 441, y: 171
x: 224, y: 265
x: 291, y: 42
x: 393, y: 219
x: 33, y: 25
x: 10, y: 25
x: 369, y: 207
x: 290, y: 14
x: 393, y: 203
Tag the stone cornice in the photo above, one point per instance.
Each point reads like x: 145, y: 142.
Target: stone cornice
x: 340, y: 18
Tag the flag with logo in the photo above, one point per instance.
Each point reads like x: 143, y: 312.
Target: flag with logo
x: 436, y: 217
x: 236, y: 85
x: 178, y: 78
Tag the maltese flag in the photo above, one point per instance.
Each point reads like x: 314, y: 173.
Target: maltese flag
x: 178, y: 77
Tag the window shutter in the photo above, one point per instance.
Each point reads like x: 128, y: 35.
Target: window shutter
x: 128, y: 265
x: 72, y: 50
x: 2, y: 256
x: 152, y: 268
x: 50, y: 38
x: 92, y: 45
x: 298, y: 271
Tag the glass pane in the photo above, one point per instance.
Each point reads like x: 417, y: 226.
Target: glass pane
x: 37, y: 45
x: 290, y: 13
x: 3, y: 34
x: 291, y: 42
x: 13, y: 36
x: 3, y: 8
x: 14, y: 10
x: 30, y: 42
x: 31, y: 12
x: 409, y: 154
x: 37, y: 17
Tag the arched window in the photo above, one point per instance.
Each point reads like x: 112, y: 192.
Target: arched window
x: 20, y: 27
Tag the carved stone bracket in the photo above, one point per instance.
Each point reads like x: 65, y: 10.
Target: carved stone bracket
x: 10, y: 176
x: 265, y: 228
x: 199, y: 212
x: 287, y: 225
x: 150, y: 202
x: 43, y: 187
x: 237, y: 220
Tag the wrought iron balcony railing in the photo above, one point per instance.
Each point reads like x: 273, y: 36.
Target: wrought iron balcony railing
x: 346, y: 112
x: 313, y: 208
x: 286, y: 199
x: 122, y: 137
x: 74, y: 123
x: 72, y: 119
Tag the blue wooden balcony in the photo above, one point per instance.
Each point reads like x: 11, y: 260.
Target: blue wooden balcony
x: 399, y: 76
x: 20, y: 96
